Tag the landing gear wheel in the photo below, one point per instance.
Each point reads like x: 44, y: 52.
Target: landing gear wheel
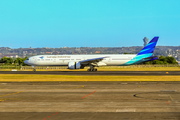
x: 92, y: 70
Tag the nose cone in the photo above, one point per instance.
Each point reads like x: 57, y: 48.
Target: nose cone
x: 26, y: 62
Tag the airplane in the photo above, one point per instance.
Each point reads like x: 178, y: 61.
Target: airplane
x: 93, y: 61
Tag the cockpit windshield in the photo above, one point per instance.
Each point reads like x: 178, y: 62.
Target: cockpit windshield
x: 27, y: 59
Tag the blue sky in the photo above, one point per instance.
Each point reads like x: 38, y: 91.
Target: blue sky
x: 88, y: 23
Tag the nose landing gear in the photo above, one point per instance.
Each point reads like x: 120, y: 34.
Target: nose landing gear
x: 34, y: 68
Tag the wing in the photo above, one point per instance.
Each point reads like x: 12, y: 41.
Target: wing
x: 93, y: 60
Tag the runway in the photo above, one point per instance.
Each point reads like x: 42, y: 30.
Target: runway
x: 89, y: 100
x: 112, y: 73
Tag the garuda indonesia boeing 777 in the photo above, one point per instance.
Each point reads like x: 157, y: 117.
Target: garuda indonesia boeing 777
x: 80, y: 61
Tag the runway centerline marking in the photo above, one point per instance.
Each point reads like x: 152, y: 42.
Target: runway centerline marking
x: 89, y: 94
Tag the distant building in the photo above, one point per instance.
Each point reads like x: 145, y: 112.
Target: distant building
x: 98, y: 52
x: 10, y: 55
x: 77, y: 49
x: 55, y: 53
x: 48, y: 52
x: 25, y: 52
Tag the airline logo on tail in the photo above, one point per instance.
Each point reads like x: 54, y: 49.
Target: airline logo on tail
x: 145, y: 53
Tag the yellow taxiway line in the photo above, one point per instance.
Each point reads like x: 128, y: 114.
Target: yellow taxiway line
x: 8, y: 95
x: 11, y: 94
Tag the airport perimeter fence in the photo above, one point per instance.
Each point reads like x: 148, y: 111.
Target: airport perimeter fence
x: 44, y: 67
x: 65, y: 67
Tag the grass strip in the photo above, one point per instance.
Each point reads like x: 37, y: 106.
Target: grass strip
x: 49, y: 78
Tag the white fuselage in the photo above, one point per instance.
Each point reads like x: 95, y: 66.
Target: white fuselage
x: 63, y: 60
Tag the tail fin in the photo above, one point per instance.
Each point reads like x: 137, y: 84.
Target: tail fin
x: 146, y: 52
x: 149, y: 48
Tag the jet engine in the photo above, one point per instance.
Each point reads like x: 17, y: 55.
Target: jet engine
x: 74, y: 65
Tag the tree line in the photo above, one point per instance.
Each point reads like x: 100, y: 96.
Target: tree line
x: 11, y: 61
x: 162, y: 60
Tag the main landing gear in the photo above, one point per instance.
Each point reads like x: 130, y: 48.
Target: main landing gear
x: 92, y: 70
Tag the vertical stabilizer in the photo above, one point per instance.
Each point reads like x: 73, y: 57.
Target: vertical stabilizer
x: 146, y: 52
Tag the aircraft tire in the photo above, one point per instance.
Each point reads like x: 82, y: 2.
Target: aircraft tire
x: 92, y: 70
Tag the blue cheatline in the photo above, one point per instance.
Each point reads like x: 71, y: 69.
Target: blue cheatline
x: 146, y: 52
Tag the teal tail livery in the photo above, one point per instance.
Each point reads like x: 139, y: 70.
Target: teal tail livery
x: 146, y: 54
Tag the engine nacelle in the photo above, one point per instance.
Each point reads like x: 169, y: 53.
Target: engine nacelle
x: 74, y: 65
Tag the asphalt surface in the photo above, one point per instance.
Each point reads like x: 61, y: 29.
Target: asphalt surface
x: 113, y: 73
x: 89, y: 100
